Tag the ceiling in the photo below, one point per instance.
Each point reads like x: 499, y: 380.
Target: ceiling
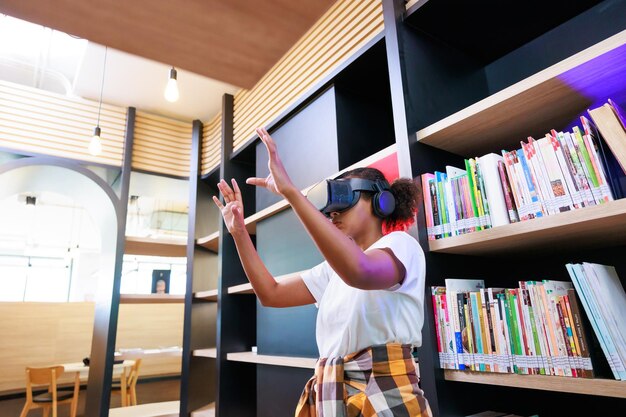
x: 217, y: 47
x: 234, y: 41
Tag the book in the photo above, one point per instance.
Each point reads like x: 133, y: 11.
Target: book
x: 611, y: 299
x: 436, y: 292
x: 591, y: 307
x: 581, y: 333
x: 615, y: 176
x: 427, y: 180
x: 581, y: 176
x: 456, y: 286
x: 608, y: 123
x: 508, y: 193
x: 488, y: 165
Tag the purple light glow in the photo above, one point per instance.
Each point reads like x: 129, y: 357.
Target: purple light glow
x: 599, y: 79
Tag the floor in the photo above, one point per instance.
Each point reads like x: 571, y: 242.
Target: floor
x: 147, y: 392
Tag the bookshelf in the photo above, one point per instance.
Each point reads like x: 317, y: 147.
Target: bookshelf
x: 602, y: 225
x: 289, y: 361
x: 208, y: 295
x: 540, y: 102
x: 320, y: 130
x: 427, y: 95
x: 155, y: 247
x: 211, y: 242
x: 596, y: 386
x: 199, y: 368
x: 206, y: 353
x: 479, y: 84
x: 151, y: 298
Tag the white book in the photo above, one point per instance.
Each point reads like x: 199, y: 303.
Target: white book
x: 535, y: 160
x: 562, y: 200
x: 493, y: 188
x: 611, y: 299
x: 595, y: 318
x: 582, y: 178
x: 577, y: 200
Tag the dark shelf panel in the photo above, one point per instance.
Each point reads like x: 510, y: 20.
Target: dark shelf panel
x: 488, y: 30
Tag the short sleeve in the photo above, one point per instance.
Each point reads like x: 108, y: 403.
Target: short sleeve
x: 404, y: 247
x: 316, y: 279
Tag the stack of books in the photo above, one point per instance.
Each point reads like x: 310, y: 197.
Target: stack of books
x: 536, y: 328
x: 562, y: 171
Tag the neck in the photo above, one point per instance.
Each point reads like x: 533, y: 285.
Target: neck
x: 368, y: 237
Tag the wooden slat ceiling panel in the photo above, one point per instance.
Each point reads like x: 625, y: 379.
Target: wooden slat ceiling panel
x: 162, y: 145
x: 34, y: 121
x: 347, y: 26
x: 235, y: 41
x: 211, y: 144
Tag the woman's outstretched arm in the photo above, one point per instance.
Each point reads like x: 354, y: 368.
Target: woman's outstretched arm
x: 286, y: 293
x: 374, y: 269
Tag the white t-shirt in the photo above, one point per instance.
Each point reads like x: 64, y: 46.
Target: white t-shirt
x: 350, y: 319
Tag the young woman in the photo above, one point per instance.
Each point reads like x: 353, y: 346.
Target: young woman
x: 369, y: 290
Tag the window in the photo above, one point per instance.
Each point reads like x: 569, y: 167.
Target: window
x: 34, y: 279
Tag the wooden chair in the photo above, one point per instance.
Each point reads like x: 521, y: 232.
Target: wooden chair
x: 49, y: 400
x: 126, y: 387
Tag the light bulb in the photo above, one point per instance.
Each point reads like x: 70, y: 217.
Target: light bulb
x: 95, y: 145
x: 171, y: 89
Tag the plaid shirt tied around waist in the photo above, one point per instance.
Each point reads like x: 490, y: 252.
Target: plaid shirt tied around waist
x: 379, y: 381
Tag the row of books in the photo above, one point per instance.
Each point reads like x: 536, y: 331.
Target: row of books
x: 560, y: 172
x: 604, y: 301
x: 536, y: 328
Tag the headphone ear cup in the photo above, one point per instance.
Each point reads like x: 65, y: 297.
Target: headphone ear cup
x: 384, y: 203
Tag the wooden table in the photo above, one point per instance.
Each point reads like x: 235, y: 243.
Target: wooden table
x: 119, y: 369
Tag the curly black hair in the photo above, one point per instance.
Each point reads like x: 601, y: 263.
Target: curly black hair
x: 405, y: 192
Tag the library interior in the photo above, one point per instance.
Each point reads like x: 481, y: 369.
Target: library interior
x: 133, y: 281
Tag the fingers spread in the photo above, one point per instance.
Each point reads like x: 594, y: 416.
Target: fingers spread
x: 236, y: 190
x: 226, y: 191
x: 218, y: 203
x: 259, y: 182
x: 266, y: 139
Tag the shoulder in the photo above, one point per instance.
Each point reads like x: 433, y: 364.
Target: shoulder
x: 403, y: 245
x: 398, y: 237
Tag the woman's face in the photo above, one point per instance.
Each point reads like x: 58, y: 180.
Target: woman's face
x: 356, y: 219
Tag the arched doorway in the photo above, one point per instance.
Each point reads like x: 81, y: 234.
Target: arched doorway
x: 44, y: 174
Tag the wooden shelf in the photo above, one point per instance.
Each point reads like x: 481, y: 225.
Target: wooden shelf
x: 210, y: 295
x: 211, y: 242
x: 206, y: 411
x: 602, y: 387
x: 162, y: 409
x: 149, y: 353
x: 206, y: 353
x: 155, y: 247
x: 593, y: 226
x: 247, y: 288
x: 251, y: 357
x: 539, y: 103
x: 151, y: 298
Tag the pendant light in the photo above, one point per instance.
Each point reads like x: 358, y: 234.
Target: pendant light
x: 95, y: 145
x: 171, y: 89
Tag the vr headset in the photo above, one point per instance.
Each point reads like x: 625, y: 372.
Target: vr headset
x: 339, y: 195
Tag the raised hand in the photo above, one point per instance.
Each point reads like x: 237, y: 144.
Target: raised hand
x: 232, y: 212
x: 278, y: 180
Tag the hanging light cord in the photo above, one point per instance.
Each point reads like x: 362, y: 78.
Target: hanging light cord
x: 104, y: 68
